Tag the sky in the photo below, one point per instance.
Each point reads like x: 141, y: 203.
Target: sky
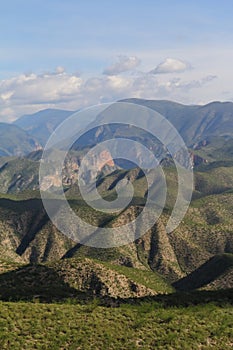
x: 71, y: 54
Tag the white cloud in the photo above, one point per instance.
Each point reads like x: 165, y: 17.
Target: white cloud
x: 171, y: 65
x: 28, y: 93
x: 50, y: 86
x: 60, y: 70
x: 124, y: 64
x: 6, y: 95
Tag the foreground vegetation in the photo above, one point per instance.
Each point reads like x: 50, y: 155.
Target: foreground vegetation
x: 147, y: 325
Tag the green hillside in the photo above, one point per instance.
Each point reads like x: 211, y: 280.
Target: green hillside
x: 213, y: 270
x: 27, y: 234
x: 77, y: 278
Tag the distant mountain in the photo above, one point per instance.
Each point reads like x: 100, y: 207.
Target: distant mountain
x: 43, y: 123
x: 196, y: 122
x: 200, y: 126
x: 15, y: 141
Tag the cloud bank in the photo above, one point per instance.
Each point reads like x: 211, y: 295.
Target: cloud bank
x: 28, y: 93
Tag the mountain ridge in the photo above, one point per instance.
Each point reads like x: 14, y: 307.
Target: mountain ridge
x: 42, y: 123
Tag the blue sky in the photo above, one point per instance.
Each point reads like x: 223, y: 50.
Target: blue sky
x: 133, y: 38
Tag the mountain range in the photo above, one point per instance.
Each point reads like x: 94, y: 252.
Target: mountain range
x: 194, y: 123
x: 195, y: 256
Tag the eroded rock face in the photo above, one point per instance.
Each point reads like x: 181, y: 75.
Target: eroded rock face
x: 21, y: 174
x: 197, y: 160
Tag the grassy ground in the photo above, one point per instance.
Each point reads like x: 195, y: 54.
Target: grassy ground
x: 144, y: 326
